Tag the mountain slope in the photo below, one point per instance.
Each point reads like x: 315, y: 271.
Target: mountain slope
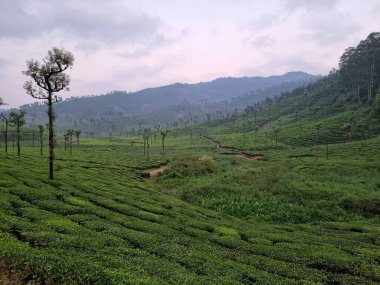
x: 122, y: 104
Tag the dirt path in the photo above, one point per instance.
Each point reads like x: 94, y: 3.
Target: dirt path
x: 246, y: 156
x: 240, y: 154
x: 155, y: 171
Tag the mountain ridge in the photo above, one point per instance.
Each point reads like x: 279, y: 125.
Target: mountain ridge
x: 117, y: 104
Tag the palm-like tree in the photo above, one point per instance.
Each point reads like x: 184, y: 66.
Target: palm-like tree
x: 17, y: 119
x: 77, y: 134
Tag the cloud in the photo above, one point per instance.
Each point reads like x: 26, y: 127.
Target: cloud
x: 328, y: 29
x: 311, y: 5
x: 263, y: 41
x: 280, y: 65
x: 147, y: 71
x: 3, y: 63
x: 375, y: 11
x: 139, y: 50
x: 105, y: 22
x: 264, y: 21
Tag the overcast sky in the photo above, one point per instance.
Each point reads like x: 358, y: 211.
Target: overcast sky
x: 131, y: 45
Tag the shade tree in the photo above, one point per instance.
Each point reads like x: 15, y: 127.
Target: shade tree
x: 163, y: 133
x: 5, y: 119
x: 17, y: 119
x: 48, y: 77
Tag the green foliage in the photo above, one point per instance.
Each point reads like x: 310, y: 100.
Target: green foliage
x: 99, y: 223
x: 191, y: 166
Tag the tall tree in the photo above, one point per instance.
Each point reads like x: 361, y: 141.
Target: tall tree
x: 6, y: 121
x: 77, y: 134
x: 163, y: 133
x: 48, y: 78
x: 66, y: 137
x: 69, y: 134
x: 17, y: 119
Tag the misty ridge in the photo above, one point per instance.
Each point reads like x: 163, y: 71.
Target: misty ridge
x: 167, y: 104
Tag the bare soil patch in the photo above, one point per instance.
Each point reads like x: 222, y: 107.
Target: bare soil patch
x: 9, y: 276
x: 246, y: 156
x: 155, y: 171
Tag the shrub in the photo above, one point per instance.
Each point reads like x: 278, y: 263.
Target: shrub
x: 190, y: 166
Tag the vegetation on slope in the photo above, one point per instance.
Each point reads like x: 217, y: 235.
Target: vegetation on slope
x: 100, y: 223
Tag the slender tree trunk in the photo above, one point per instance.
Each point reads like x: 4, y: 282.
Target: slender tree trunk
x: 18, y: 140
x: 71, y: 144
x: 51, y: 136
x: 6, y: 136
x: 147, y: 150
x: 163, y: 146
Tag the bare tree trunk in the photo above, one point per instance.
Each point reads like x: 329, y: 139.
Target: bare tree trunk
x: 6, y: 136
x: 18, y: 140
x: 147, y: 153
x: 51, y: 136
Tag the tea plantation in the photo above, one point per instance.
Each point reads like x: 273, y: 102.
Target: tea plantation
x: 211, y: 218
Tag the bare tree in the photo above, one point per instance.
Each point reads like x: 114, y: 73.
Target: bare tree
x: 48, y: 78
x: 17, y: 119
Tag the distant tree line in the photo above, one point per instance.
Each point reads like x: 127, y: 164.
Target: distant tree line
x: 359, y: 68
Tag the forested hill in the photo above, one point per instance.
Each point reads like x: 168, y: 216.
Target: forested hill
x: 344, y: 105
x: 80, y: 112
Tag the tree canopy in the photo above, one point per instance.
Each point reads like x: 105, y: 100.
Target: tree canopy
x: 49, y: 75
x: 360, y: 67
